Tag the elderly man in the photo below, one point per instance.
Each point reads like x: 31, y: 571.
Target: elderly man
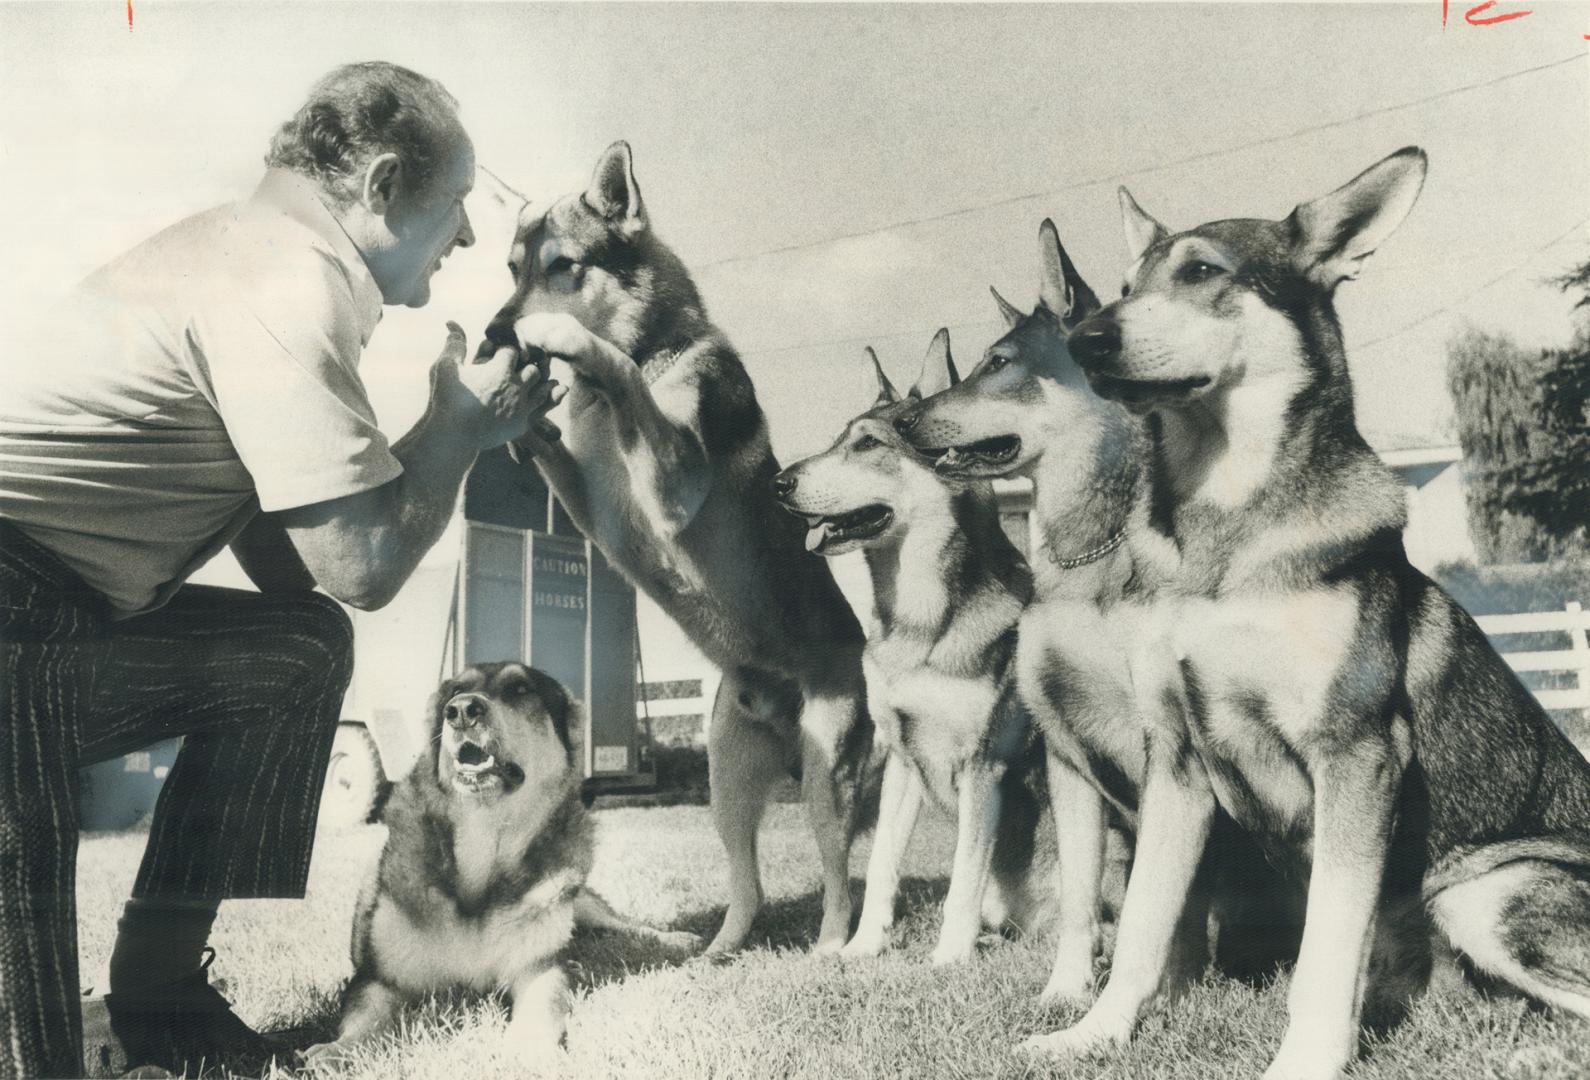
x: 206, y: 393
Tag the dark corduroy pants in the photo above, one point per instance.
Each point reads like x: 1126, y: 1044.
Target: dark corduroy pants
x: 255, y: 683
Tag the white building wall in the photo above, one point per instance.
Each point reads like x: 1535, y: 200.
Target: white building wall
x: 1438, y: 528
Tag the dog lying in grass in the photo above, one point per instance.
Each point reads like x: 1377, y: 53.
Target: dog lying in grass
x: 482, y: 880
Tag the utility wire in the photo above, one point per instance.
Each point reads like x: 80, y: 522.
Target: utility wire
x: 1466, y: 297
x: 1207, y: 155
x: 988, y: 324
x: 925, y: 333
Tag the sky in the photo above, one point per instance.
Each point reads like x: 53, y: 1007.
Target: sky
x: 837, y: 175
x: 760, y: 127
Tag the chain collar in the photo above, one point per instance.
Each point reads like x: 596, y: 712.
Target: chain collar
x: 659, y: 363
x: 1089, y: 556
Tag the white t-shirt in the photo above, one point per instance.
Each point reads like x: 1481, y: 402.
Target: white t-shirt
x: 208, y: 373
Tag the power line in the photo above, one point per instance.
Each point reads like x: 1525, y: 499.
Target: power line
x: 988, y: 324
x: 925, y: 334
x: 1140, y: 170
x: 1498, y: 279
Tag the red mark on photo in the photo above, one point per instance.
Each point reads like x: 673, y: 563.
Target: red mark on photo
x: 129, y: 16
x: 1472, y: 15
x: 1469, y: 16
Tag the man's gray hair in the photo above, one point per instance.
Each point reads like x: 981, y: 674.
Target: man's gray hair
x: 359, y: 111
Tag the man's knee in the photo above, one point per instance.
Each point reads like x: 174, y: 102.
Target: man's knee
x: 319, y: 634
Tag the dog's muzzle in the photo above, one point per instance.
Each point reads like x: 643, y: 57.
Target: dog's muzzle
x: 1095, y: 343
x: 464, y: 711
x: 907, y: 421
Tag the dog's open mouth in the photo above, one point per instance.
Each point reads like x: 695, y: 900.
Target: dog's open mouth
x: 1142, y: 392
x: 476, y: 769
x: 982, y: 456
x: 824, y: 533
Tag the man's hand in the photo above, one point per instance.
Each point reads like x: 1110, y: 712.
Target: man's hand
x: 361, y: 548
x: 494, y: 400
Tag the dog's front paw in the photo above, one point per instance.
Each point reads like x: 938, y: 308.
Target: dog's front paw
x: 1295, y: 1061
x: 326, y: 1055
x: 953, y: 952
x: 867, y: 942
x: 560, y: 334
x: 1082, y: 1039
x: 679, y: 940
x: 1070, y: 987
x: 537, y: 1043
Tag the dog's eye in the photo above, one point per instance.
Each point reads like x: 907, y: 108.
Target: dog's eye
x: 866, y: 442
x: 996, y: 361
x: 513, y: 268
x: 1126, y: 289
x: 1197, y: 271
x: 560, y: 265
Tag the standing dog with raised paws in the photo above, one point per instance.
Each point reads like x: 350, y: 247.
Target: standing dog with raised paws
x: 667, y: 468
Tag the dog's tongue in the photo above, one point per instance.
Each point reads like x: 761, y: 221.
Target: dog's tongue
x: 817, y: 534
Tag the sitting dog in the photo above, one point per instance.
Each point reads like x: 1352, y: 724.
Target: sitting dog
x: 1025, y: 410
x: 482, y: 880
x: 948, y: 587
x: 666, y: 467
x: 1331, y: 698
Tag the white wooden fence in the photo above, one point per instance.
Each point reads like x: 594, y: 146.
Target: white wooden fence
x: 661, y: 709
x: 1574, y: 658
x: 1573, y: 621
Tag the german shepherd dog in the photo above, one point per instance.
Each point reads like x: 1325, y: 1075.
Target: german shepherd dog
x: 948, y: 587
x: 667, y: 468
x: 1322, y: 691
x: 1026, y: 410
x: 482, y: 879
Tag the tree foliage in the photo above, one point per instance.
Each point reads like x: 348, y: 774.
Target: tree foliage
x: 1494, y: 387
x: 1524, y: 424
x: 1576, y: 280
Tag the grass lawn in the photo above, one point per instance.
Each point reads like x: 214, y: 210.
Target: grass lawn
x: 776, y: 1011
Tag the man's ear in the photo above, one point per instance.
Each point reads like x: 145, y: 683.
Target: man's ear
x: 1142, y: 231
x: 380, y: 183
x: 1335, y: 233
x: 938, y: 368
x: 614, y: 193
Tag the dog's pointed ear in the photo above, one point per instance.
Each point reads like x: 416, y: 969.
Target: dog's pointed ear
x: 614, y: 193
x: 1142, y: 231
x: 1062, y: 289
x: 1335, y: 233
x: 555, y: 699
x: 938, y: 368
x: 1010, y: 312
x: 887, y: 395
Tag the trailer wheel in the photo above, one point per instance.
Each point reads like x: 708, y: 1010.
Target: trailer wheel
x: 354, y: 778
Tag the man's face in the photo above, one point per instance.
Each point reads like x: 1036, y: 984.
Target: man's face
x: 426, y: 225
